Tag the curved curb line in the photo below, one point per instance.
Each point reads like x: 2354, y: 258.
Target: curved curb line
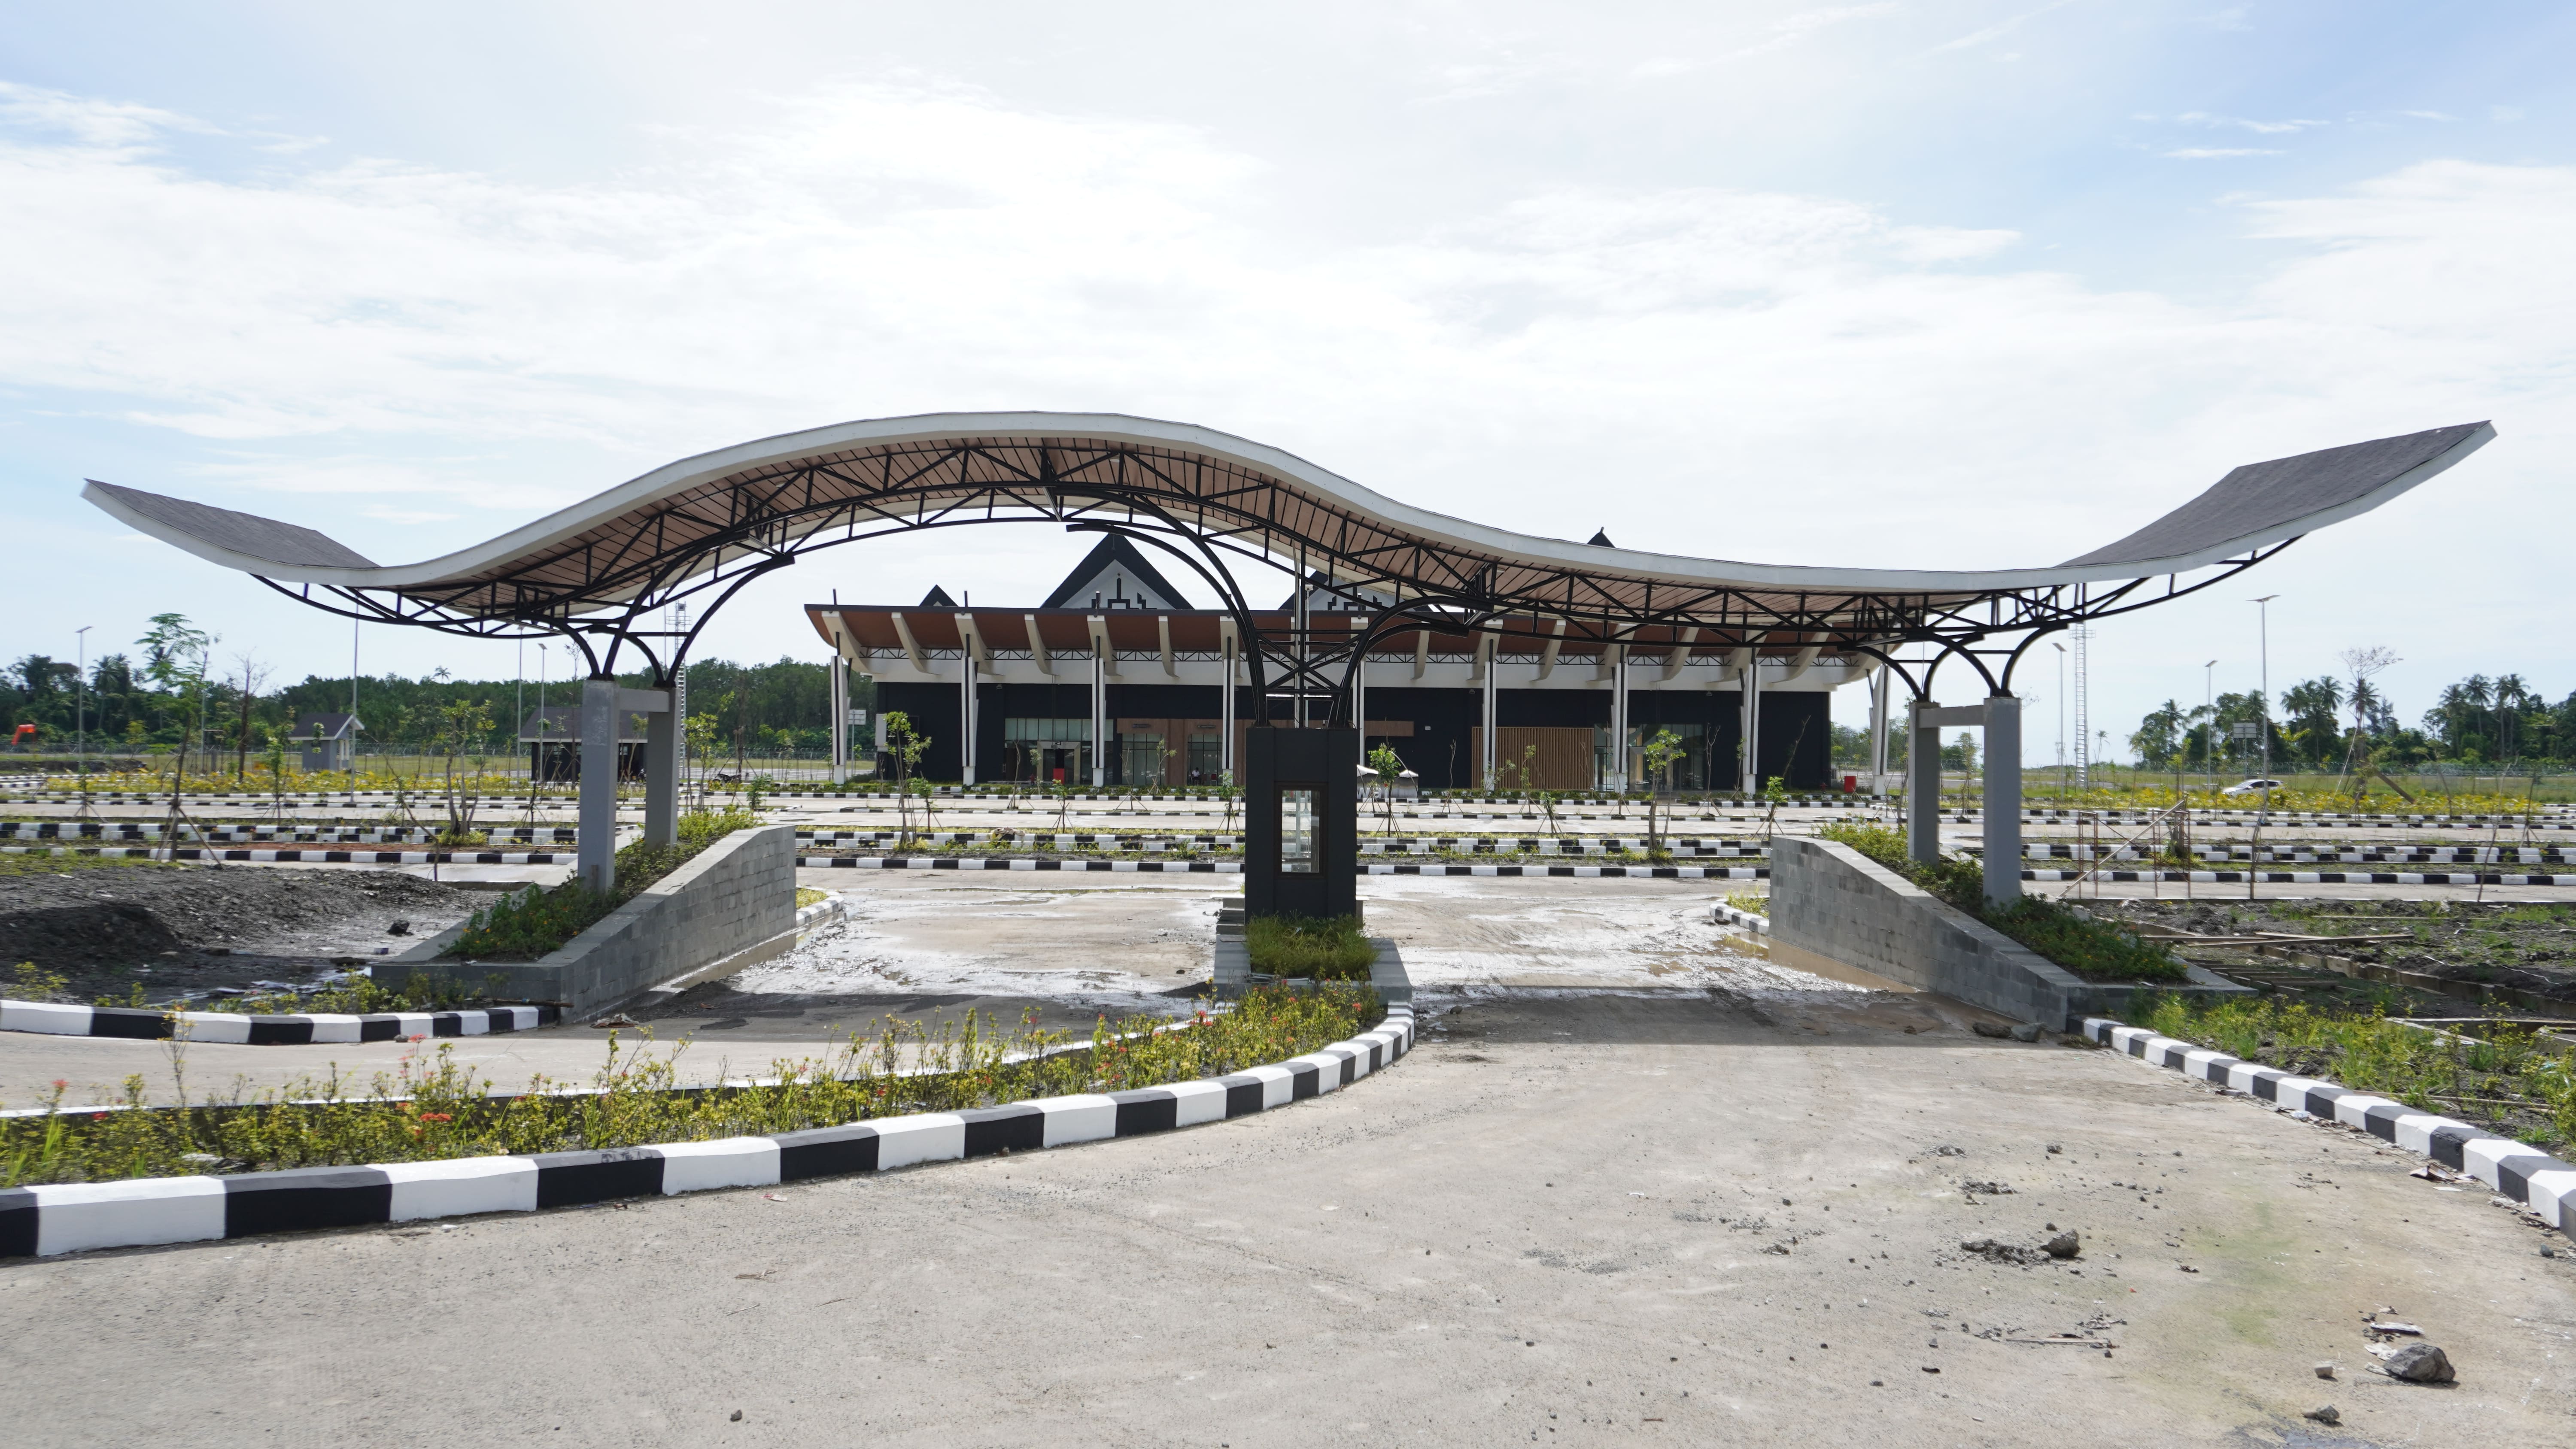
x: 2310, y: 877
x: 2527, y: 1175
x: 1235, y: 867
x: 298, y: 1029
x: 74, y: 1217
x: 293, y: 854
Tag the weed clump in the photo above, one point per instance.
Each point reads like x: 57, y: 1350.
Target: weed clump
x: 1330, y: 950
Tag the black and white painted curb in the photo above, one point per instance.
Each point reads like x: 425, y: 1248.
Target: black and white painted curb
x: 290, y: 834
x: 2317, y: 854
x: 1745, y: 921
x: 299, y: 1029
x: 2527, y: 1175
x: 291, y: 855
x: 73, y: 1217
x: 2309, y: 877
x: 1235, y: 867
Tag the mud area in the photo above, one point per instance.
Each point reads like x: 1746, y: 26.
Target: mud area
x: 173, y: 930
x: 2529, y: 946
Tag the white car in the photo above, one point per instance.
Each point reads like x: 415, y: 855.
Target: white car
x: 2250, y: 787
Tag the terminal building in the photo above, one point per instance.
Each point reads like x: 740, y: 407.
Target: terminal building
x: 1115, y: 679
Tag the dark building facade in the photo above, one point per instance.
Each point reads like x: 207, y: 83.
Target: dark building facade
x: 1116, y: 656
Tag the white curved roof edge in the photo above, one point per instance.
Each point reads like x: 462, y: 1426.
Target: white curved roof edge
x: 1518, y: 548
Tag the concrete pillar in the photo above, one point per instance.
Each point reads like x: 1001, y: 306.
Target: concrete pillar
x: 1492, y: 661
x: 598, y: 813
x: 840, y: 718
x: 1751, y: 724
x: 1922, y: 785
x: 1225, y: 724
x: 1881, y: 685
x: 1099, y: 705
x: 966, y: 713
x: 662, y: 778
x: 2003, y: 799
x: 1618, y: 781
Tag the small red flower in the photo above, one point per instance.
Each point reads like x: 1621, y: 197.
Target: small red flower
x: 60, y: 1085
x: 436, y: 1117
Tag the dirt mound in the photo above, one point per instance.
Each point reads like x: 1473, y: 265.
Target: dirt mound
x: 115, y: 918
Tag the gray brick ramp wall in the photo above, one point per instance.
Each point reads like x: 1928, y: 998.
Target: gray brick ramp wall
x: 1830, y: 899
x: 738, y: 894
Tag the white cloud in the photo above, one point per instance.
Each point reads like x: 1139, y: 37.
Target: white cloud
x: 2266, y: 128
x: 88, y: 121
x: 425, y: 356
x: 2216, y: 153
x: 1997, y: 30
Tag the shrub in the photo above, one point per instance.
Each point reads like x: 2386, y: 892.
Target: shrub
x: 1331, y: 950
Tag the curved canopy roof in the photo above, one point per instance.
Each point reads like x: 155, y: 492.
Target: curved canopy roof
x: 775, y: 496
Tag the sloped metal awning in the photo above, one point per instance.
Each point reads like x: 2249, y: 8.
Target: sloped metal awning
x: 710, y: 521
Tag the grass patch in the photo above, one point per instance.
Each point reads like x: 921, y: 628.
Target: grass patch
x: 66, y: 864
x: 432, y: 1108
x: 1331, y: 950
x: 2084, y: 944
x: 527, y: 925
x: 2495, y: 1075
x: 811, y: 896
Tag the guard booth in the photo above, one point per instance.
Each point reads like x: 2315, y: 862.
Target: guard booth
x: 1301, y: 836
x: 330, y: 741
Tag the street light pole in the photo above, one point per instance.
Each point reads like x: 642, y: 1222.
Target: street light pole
x: 2061, y: 719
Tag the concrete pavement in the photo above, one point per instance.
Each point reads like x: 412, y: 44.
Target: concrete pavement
x: 1570, y: 1217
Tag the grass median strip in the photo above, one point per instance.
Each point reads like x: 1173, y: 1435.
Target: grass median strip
x: 431, y: 1108
x: 2496, y: 1075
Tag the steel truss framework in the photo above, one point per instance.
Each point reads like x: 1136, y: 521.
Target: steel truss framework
x: 604, y: 574
x: 605, y: 594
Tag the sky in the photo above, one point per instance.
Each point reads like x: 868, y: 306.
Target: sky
x: 1893, y: 284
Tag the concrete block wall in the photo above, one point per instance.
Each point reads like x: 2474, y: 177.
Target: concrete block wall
x: 1830, y: 899
x: 736, y: 899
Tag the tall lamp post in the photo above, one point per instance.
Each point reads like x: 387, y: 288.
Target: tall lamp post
x: 2061, y: 719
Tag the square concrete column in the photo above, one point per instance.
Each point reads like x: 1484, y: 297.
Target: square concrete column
x: 2003, y: 799
x: 1922, y: 784
x: 1749, y: 725
x: 662, y: 778
x: 840, y: 705
x: 598, y: 813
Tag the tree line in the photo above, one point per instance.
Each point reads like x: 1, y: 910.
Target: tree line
x: 176, y: 685
x: 2347, y: 721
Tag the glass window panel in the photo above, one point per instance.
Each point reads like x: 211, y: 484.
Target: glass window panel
x: 1297, y: 832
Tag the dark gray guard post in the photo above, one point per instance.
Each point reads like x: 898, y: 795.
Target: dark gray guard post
x: 1324, y: 766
